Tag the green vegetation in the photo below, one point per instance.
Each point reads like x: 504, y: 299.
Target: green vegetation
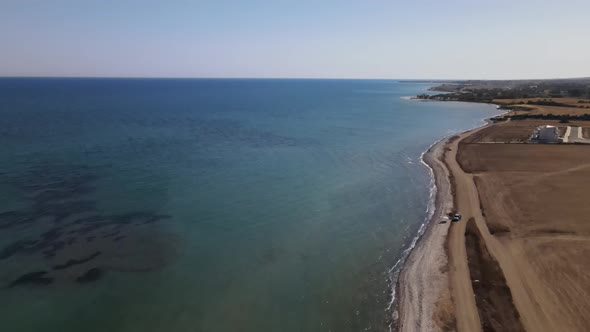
x: 547, y: 102
x: 486, y: 91
x: 561, y: 118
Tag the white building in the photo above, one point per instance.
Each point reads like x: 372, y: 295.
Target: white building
x: 546, y: 134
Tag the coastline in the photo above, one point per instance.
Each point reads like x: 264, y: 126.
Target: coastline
x: 424, y: 302
x: 422, y: 274
x: 398, y: 267
x: 436, y: 264
x: 425, y: 298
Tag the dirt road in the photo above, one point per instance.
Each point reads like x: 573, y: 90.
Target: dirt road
x: 517, y: 278
x: 531, y: 242
x: 536, y: 209
x: 460, y: 281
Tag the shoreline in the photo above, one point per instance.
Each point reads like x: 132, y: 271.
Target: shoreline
x: 436, y: 259
x: 423, y: 266
x: 420, y: 272
x: 423, y: 270
x: 398, y: 267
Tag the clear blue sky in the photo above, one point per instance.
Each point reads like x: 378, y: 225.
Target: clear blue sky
x: 302, y: 38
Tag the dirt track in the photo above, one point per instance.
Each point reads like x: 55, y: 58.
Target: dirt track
x: 467, y: 201
x: 492, y: 295
x: 461, y: 289
x: 534, y: 204
x: 528, y: 206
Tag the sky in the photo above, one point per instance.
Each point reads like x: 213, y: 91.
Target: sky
x: 419, y: 39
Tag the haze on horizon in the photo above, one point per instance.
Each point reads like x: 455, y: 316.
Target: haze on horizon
x: 455, y: 39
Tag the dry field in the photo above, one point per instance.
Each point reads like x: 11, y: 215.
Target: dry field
x: 575, y: 108
x: 492, y: 295
x: 534, y: 199
x: 538, y: 109
x: 509, y: 132
x: 565, y: 100
x: 516, y: 131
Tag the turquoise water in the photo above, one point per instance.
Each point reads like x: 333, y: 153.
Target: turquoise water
x: 210, y: 205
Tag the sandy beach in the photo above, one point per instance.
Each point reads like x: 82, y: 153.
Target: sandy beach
x: 523, y: 233
x: 423, y: 279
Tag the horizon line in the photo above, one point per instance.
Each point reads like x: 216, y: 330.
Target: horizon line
x: 294, y: 78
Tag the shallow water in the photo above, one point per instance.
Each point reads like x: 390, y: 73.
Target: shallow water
x: 210, y: 205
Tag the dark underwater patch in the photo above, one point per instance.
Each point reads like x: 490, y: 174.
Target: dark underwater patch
x: 32, y: 278
x: 76, y: 261
x: 71, y: 226
x: 90, y: 275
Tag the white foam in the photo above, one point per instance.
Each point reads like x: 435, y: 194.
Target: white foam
x: 395, y: 270
x: 430, y: 209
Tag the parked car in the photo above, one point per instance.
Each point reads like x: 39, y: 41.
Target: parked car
x: 456, y: 217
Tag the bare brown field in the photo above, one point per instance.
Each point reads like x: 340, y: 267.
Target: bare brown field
x: 540, y: 109
x: 503, y: 133
x: 562, y: 100
x: 493, y: 297
x: 575, y: 108
x: 517, y: 131
x: 535, y: 201
x: 522, y: 158
x: 586, y: 132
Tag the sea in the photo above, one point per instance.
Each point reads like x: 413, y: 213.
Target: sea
x: 211, y: 204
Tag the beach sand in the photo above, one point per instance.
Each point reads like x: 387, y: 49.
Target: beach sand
x: 423, y: 281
